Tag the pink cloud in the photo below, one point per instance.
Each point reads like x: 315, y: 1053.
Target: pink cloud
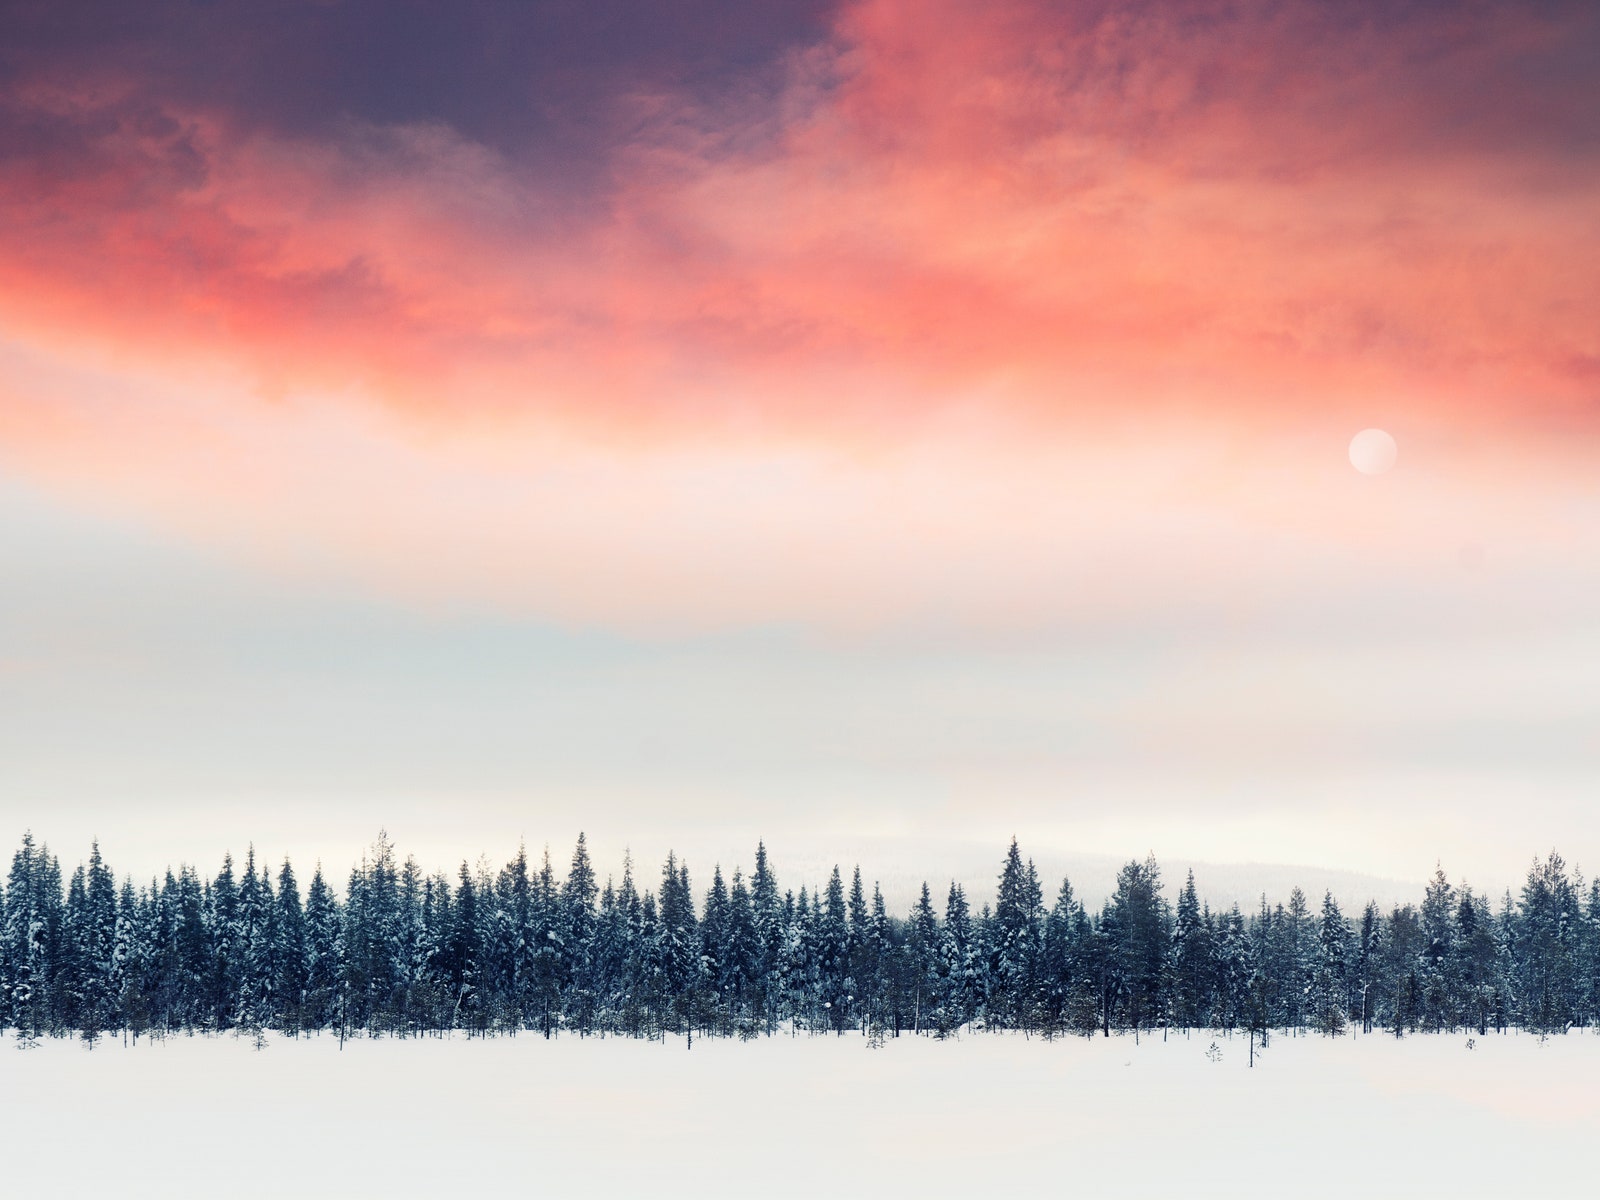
x: 1226, y: 206
x: 1232, y: 228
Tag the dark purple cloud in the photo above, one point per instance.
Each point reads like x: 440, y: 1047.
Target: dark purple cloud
x: 538, y: 80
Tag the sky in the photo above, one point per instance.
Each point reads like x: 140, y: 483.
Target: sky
x: 882, y: 424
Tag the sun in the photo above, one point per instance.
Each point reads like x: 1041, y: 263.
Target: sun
x: 1373, y: 451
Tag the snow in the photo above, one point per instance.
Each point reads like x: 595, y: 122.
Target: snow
x: 812, y: 1116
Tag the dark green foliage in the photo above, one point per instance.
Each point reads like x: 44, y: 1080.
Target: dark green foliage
x: 403, y: 954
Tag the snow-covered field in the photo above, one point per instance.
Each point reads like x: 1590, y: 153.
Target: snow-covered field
x: 815, y: 1116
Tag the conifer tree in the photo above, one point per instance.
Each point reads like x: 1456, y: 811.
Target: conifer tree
x: 833, y: 954
x: 741, y: 959
x: 1014, y: 945
x: 1544, y: 931
x: 289, y: 954
x: 960, y: 963
x: 1191, y: 960
x: 922, y: 960
x: 256, y: 1003
x: 1438, y: 951
x: 324, y: 956
x: 680, y: 947
x: 1138, y: 940
x: 97, y: 943
x: 464, y: 958
x: 771, y: 936
x: 1329, y: 997
x: 577, y: 930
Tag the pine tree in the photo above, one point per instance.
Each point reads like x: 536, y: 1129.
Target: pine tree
x: 1235, y: 967
x: 577, y: 923
x: 1138, y: 934
x: 741, y: 960
x: 1367, y: 987
x: 256, y: 1004
x: 882, y: 976
x: 922, y: 960
x: 289, y: 954
x: 771, y: 937
x: 799, y: 975
x: 1329, y: 996
x: 1543, y: 932
x: 1477, y: 961
x: 833, y: 954
x: 1191, y: 960
x: 959, y: 964
x: 1401, y: 968
x: 547, y: 947
x: 131, y: 961
x: 226, y: 950
x: 1439, y: 935
x: 97, y: 938
x: 1017, y: 933
x: 464, y: 955
x: 31, y: 936
x: 681, y: 973
x: 1297, y: 959
x: 325, y: 975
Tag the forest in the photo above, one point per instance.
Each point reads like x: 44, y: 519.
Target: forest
x: 519, y: 949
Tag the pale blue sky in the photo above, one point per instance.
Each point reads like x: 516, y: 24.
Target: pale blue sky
x: 177, y: 702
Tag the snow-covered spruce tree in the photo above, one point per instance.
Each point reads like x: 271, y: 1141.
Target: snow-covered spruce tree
x: 710, y: 1013
x: 680, y: 952
x: 798, y: 978
x: 515, y: 941
x: 1330, y: 996
x: 1437, y: 1003
x: 464, y: 959
x: 959, y: 964
x: 609, y: 958
x: 576, y: 921
x: 1235, y: 967
x: 188, y: 988
x: 1016, y: 934
x: 548, y: 948
x: 1544, y: 932
x: 31, y: 937
x: 1476, y: 965
x: 766, y: 906
x: 740, y: 960
x: 1298, y: 959
x: 97, y: 945
x: 1366, y: 985
x: 256, y: 1004
x: 1191, y: 960
x: 225, y: 939
x: 922, y: 961
x: 1588, y: 956
x: 324, y: 1002
x: 651, y: 996
x: 884, y: 971
x: 859, y: 968
x: 1401, y: 968
x: 71, y: 982
x: 288, y: 965
x: 1138, y: 937
x: 833, y: 954
x: 131, y: 946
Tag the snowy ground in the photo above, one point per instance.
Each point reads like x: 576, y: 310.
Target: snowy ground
x: 977, y: 1117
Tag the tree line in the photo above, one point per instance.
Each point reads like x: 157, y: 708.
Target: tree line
x: 487, y: 951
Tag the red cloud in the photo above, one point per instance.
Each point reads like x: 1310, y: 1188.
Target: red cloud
x: 1241, y: 208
